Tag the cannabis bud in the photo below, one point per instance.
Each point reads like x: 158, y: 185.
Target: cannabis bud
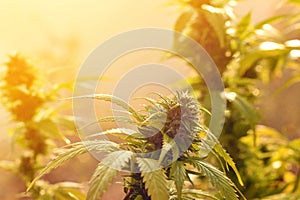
x: 172, y: 119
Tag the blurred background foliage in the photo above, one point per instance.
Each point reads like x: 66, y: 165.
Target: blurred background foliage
x: 36, y: 126
x: 259, y: 63
x: 249, y: 56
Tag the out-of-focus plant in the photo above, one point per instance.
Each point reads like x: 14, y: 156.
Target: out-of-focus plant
x: 168, y: 148
x: 278, y: 157
x: 247, y: 56
x: 35, y: 128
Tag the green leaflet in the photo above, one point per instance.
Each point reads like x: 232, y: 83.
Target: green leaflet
x: 222, y: 152
x: 110, y: 119
x: 198, y: 193
x: 117, y: 159
x: 217, y: 147
x: 168, y: 146
x: 75, y: 150
x: 243, y: 27
x: 154, y: 178
x: 178, y: 173
x: 101, y: 178
x: 105, y: 173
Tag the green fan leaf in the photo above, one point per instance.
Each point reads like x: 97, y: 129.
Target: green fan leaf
x: 154, y: 178
x: 217, y: 178
x: 75, y: 150
x: 101, y: 178
x: 105, y: 173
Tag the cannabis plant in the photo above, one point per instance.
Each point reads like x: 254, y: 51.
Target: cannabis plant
x: 161, y: 157
x: 35, y: 126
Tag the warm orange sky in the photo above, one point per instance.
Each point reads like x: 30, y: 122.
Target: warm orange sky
x: 30, y: 25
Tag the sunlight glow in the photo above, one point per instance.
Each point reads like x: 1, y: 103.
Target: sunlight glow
x: 231, y: 96
x: 268, y: 46
x: 292, y: 43
x: 276, y: 164
x: 267, y: 27
x: 295, y: 54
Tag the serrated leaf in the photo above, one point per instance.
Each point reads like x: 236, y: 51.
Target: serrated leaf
x: 105, y: 173
x: 198, y: 193
x: 110, y: 119
x: 154, y: 179
x: 75, y: 150
x: 148, y: 164
x: 227, y: 158
x: 217, y: 178
x: 101, y: 178
x: 213, y: 142
x: 117, y: 159
x: 178, y: 174
x: 167, y: 147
